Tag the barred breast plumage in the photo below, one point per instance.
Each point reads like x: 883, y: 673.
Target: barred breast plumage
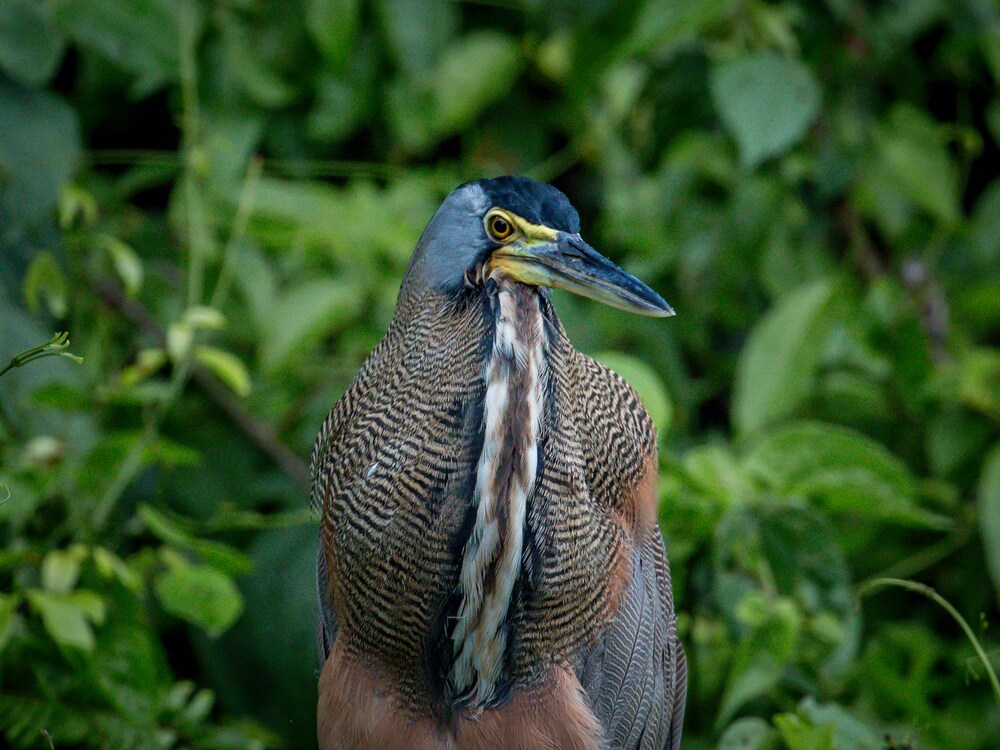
x: 488, y: 538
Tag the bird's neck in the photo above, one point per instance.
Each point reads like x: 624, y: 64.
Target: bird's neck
x: 513, y: 407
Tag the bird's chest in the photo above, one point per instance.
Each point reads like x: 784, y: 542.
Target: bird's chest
x: 468, y: 554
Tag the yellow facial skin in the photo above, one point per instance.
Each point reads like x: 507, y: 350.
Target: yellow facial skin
x: 538, y: 255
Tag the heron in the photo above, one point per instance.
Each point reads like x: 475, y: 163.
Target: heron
x: 491, y: 572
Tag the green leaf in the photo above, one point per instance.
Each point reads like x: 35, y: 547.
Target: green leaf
x: 39, y: 148
x: 304, y: 313
x: 647, y: 384
x: 665, y: 26
x: 140, y: 36
x: 849, y: 733
x: 8, y: 606
x: 979, y: 380
x: 844, y: 469
x: 61, y: 569
x: 333, y: 25
x: 800, y: 734
x: 417, y: 31
x: 227, y: 367
x: 748, y: 733
x: 914, y: 162
x: 766, y: 101
x: 475, y: 72
x: 199, y: 594
x: 988, y: 508
x: 45, y: 281
x: 760, y: 659
x: 175, y: 532
x: 127, y: 263
x: 30, y: 45
x: 776, y: 370
x: 68, y: 619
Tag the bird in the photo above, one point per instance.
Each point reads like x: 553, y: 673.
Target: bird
x: 490, y: 569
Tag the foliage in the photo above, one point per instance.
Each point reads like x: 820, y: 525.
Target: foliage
x: 218, y: 200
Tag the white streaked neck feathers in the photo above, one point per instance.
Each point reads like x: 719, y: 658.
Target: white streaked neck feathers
x: 491, y: 565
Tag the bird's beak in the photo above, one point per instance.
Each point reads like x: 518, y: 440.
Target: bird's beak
x: 565, y: 261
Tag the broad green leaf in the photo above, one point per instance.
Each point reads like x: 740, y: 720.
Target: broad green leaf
x: 30, y: 44
x: 800, y: 734
x: 988, y: 508
x: 473, y: 73
x: 332, y: 25
x: 45, y: 281
x: 126, y: 261
x: 199, y: 594
x: 173, y: 531
x: 912, y: 152
x: 776, y: 370
x: 61, y: 569
x: 766, y: 101
x: 8, y: 606
x: 39, y: 148
x: 748, y: 733
x: 261, y: 81
x: 760, y: 660
x: 109, y: 565
x: 979, y: 380
x: 849, y: 732
x: 227, y: 367
x: 140, y: 36
x: 647, y: 384
x: 69, y: 619
x: 844, y: 469
x: 417, y: 31
x: 984, y: 229
x: 303, y: 314
x: 665, y: 26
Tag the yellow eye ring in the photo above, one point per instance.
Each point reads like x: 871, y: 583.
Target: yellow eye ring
x: 499, y: 227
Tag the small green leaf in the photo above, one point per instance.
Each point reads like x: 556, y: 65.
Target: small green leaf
x: 913, y: 151
x: 127, y: 263
x: 44, y: 280
x: 843, y: 468
x: 776, y: 370
x: 61, y: 569
x: 30, y: 44
x: 761, y: 659
x: 988, y: 507
x: 68, y: 619
x: 748, y: 733
x: 302, y: 314
x: 417, y: 31
x: 202, y: 316
x: 800, y: 734
x: 332, y: 25
x: 227, y: 367
x: 174, y: 531
x: 473, y: 73
x: 109, y: 565
x: 647, y: 384
x: 199, y: 594
x: 766, y: 101
x: 139, y: 37
x: 8, y: 605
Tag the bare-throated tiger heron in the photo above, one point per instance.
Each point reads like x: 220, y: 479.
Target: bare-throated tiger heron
x: 491, y: 573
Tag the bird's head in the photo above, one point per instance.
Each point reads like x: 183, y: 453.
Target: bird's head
x: 528, y: 232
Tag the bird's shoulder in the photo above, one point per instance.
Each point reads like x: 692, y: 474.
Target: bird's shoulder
x: 617, y: 437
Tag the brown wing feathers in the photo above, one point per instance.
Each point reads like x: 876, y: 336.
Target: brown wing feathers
x: 393, y: 472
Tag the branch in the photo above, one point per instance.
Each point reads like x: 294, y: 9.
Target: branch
x: 262, y: 434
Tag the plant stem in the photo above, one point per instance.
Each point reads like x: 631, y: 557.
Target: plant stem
x: 920, y: 588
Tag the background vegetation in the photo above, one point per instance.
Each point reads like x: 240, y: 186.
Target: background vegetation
x: 217, y: 200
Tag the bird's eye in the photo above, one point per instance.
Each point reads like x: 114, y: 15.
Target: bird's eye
x: 500, y: 228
